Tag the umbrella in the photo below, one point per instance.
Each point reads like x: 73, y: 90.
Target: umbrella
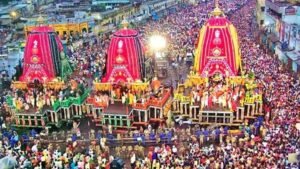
x: 8, y: 162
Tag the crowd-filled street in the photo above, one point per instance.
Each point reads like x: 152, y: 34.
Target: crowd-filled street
x: 265, y: 142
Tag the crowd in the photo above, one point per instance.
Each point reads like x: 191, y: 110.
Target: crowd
x: 39, y: 97
x: 4, y: 34
x: 89, y: 58
x: 278, y: 137
x: 153, y: 93
x: 267, y: 143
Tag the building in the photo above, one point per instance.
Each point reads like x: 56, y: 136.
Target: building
x: 39, y: 3
x: 135, y: 12
x: 110, y: 2
x: 281, y: 31
x: 69, y: 8
x: 65, y: 27
x: 109, y: 20
x: 13, y: 12
x: 260, y: 12
x: 158, y: 8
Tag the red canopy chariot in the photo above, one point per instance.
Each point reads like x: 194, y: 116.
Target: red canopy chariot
x: 125, y: 61
x: 218, y: 47
x: 42, y: 55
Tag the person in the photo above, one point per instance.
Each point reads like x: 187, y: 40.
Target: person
x: 133, y: 160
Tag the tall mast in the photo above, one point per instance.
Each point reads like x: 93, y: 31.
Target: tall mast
x: 217, y: 3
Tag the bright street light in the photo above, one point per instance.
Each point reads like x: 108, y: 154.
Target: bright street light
x: 13, y: 14
x: 157, y: 42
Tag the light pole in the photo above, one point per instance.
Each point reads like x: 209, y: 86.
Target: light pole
x: 13, y: 16
x: 157, y: 44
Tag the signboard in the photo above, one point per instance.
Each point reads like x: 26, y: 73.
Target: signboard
x: 290, y: 10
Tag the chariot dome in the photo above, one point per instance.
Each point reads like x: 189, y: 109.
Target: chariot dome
x: 218, y: 50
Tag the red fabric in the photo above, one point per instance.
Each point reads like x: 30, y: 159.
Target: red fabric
x: 210, y: 101
x: 37, y: 56
x: 150, y: 155
x: 233, y: 105
x: 217, y: 37
x: 123, y: 54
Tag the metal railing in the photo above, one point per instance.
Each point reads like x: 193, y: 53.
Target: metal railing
x: 146, y: 141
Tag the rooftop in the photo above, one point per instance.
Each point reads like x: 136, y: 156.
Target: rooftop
x: 294, y: 55
x: 5, y: 17
x: 96, y: 2
x: 59, y: 21
x: 12, y: 7
x: 19, y: 6
x: 279, y: 3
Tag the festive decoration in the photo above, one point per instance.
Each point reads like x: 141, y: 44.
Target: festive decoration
x: 139, y: 86
x: 236, y: 80
x: 194, y: 80
x: 54, y: 84
x: 19, y: 85
x: 102, y: 86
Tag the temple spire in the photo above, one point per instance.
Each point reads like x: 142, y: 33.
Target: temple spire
x: 125, y: 23
x: 216, y: 3
x: 40, y: 20
x: 217, y: 11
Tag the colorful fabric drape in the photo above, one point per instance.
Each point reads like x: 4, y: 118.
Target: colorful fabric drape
x: 125, y: 61
x: 42, y: 55
x: 218, y: 48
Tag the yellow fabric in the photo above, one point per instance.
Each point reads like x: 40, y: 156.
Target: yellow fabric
x: 234, y: 35
x: 131, y: 97
x: 102, y: 86
x: 199, y: 48
x: 259, y: 97
x: 195, y: 79
x: 19, y: 105
x: 139, y: 86
x: 19, y: 85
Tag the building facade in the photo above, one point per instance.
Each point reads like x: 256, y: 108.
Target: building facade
x: 280, y: 30
x: 260, y: 12
x: 65, y: 28
x: 134, y: 12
